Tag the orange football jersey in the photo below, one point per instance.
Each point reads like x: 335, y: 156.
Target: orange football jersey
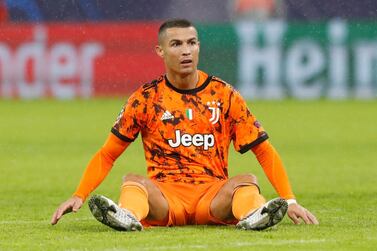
x: 186, y: 133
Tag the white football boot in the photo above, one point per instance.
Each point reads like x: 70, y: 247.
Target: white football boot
x: 266, y: 216
x: 110, y: 214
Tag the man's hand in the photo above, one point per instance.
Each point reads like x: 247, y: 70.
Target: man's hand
x: 71, y: 205
x: 298, y: 213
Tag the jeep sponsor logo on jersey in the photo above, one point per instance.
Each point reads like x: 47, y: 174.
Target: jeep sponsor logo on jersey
x: 205, y: 140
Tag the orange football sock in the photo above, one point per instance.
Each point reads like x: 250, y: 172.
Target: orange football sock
x: 245, y: 200
x: 134, y: 197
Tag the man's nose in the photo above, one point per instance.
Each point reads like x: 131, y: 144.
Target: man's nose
x: 186, y: 50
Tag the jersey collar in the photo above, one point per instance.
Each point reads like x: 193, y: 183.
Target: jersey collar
x: 188, y: 91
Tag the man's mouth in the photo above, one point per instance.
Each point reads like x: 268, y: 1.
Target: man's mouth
x: 186, y: 61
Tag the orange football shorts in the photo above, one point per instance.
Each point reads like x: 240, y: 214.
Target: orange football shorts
x: 189, y: 204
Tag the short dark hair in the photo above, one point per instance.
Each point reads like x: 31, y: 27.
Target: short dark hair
x: 173, y: 23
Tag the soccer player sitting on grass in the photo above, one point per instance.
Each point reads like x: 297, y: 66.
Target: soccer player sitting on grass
x: 187, y: 121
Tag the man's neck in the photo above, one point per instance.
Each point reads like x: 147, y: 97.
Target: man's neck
x: 183, y: 82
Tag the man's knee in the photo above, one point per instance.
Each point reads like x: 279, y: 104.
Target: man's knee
x: 237, y: 181
x: 130, y: 177
x: 243, y: 180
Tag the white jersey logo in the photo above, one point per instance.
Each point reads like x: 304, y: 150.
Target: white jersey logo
x: 167, y: 115
x: 205, y: 140
x: 215, y: 111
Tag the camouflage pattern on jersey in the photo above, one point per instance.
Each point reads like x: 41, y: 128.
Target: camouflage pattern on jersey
x: 186, y: 133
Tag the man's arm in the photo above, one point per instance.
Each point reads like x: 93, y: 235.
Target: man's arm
x: 95, y: 173
x: 273, y: 167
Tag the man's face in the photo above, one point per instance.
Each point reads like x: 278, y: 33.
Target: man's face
x: 179, y: 48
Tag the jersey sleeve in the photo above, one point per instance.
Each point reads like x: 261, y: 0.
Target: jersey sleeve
x: 131, y: 118
x: 246, y: 131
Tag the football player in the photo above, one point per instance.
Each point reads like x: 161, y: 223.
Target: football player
x: 187, y: 120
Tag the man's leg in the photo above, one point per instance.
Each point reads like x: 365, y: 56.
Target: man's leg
x: 237, y: 197
x: 143, y: 198
x: 139, y: 198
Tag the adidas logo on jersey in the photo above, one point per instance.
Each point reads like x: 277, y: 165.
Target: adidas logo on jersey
x: 205, y: 140
x: 167, y: 115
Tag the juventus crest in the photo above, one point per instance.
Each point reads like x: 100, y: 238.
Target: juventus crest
x: 214, y: 107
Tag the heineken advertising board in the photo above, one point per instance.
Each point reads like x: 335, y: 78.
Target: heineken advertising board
x: 271, y: 60
x: 276, y: 59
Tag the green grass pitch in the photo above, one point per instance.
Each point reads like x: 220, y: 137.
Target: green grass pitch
x: 329, y: 149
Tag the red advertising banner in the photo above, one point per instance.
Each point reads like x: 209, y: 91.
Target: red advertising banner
x: 77, y: 60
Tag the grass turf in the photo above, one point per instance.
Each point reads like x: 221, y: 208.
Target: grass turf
x: 329, y: 149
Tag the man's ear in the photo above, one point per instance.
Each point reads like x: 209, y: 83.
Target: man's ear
x: 159, y: 51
